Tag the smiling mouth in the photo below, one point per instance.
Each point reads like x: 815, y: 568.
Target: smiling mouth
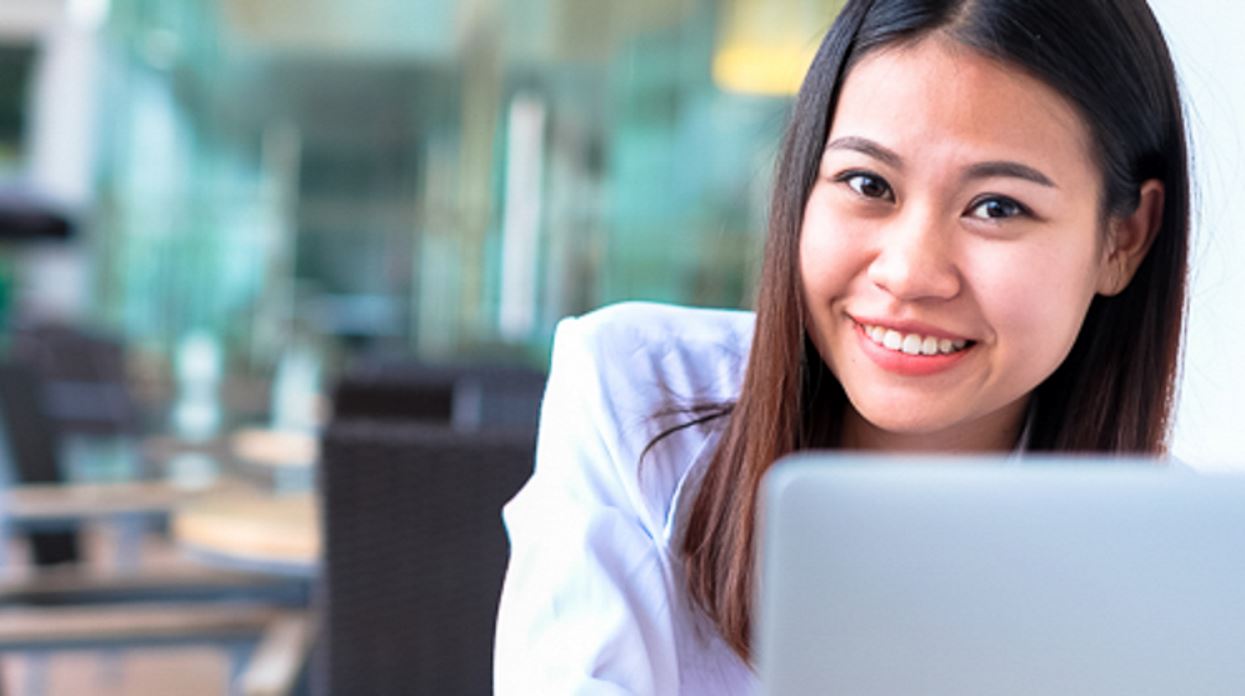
x: 912, y: 343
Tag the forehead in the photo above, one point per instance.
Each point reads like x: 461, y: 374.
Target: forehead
x: 938, y: 91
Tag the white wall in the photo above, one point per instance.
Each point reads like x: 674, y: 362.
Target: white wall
x: 1204, y: 36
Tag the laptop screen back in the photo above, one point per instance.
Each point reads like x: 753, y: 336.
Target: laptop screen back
x: 893, y: 576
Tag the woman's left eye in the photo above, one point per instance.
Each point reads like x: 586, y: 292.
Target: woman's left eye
x: 996, y: 208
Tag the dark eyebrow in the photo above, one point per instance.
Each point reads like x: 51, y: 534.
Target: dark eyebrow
x: 981, y: 170
x: 1015, y: 170
x: 867, y: 147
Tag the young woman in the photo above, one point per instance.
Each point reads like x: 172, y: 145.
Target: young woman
x: 978, y: 242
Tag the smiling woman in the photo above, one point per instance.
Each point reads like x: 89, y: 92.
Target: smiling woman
x: 978, y: 224
x: 977, y: 242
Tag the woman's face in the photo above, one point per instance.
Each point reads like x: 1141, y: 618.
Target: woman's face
x: 951, y: 245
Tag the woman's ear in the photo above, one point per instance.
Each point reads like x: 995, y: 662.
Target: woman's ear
x: 1129, y: 239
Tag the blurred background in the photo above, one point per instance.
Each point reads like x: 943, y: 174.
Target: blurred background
x: 434, y: 178
x: 439, y: 179
x: 249, y: 244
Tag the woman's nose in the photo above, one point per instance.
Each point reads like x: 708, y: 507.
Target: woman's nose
x: 915, y: 260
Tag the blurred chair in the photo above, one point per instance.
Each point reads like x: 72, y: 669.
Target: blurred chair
x: 27, y: 217
x: 415, y: 552
x: 466, y: 396
x: 268, y: 645
x: 74, y: 606
x: 403, y: 392
x: 32, y: 443
x: 85, y: 384
x: 84, y: 587
x: 259, y: 618
x: 498, y: 397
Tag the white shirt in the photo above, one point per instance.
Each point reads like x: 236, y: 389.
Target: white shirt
x: 594, y: 600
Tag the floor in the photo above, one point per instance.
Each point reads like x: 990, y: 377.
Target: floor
x: 149, y: 672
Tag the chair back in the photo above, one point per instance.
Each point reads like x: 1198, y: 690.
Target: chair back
x: 395, y: 392
x: 32, y: 443
x: 85, y: 384
x: 467, y: 396
x: 415, y: 553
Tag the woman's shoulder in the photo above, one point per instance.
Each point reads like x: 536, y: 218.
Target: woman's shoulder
x: 653, y: 327
x: 624, y: 375
x: 645, y: 359
x: 652, y: 359
x: 592, y: 573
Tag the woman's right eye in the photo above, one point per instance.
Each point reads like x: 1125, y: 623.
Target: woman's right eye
x: 868, y: 185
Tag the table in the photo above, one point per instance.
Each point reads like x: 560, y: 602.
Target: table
x: 285, y: 458
x: 246, y: 529
x: 269, y: 646
x: 50, y: 503
x: 127, y: 505
x: 279, y: 449
x: 231, y: 524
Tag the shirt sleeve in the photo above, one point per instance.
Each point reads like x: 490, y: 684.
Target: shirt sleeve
x: 585, y: 608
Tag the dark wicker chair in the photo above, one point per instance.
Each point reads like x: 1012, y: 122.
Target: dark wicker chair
x: 499, y: 397
x: 415, y: 552
x: 27, y: 217
x: 63, y: 383
x: 466, y: 396
x: 86, y: 388
x: 33, y: 442
x: 395, y: 392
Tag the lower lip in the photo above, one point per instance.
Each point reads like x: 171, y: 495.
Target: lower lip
x: 908, y: 365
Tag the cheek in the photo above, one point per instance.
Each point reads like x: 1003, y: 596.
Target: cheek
x: 830, y: 251
x: 1036, y: 296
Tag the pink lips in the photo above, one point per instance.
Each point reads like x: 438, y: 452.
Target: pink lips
x: 904, y: 364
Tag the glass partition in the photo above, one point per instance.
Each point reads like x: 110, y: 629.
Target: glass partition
x: 435, y: 178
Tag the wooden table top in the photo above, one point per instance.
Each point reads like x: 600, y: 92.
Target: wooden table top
x: 45, y: 502
x: 275, y: 448
x: 251, y: 529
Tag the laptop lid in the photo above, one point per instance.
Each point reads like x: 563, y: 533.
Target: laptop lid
x: 911, y: 576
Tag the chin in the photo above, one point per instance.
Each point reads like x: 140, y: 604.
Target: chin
x: 907, y: 426
x: 906, y: 420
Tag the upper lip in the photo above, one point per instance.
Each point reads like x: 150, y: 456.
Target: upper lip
x: 905, y: 326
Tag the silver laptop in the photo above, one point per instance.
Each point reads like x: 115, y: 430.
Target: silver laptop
x: 905, y: 577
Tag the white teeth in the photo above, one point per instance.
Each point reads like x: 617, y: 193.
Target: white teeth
x: 912, y: 344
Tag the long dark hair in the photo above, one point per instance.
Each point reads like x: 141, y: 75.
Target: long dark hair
x: 1113, y: 393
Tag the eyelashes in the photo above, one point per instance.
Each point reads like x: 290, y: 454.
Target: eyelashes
x: 867, y: 185
x: 997, y: 208
x: 987, y: 207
